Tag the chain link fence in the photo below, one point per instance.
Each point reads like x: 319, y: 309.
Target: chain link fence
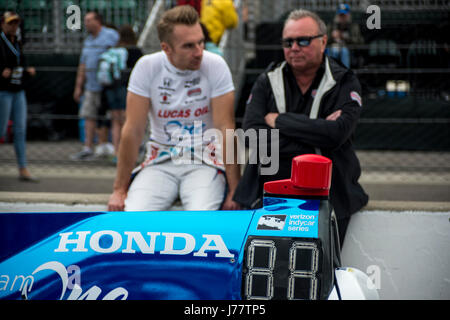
x: 51, y: 26
x: 404, y: 69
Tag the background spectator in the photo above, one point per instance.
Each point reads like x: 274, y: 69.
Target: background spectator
x: 116, y: 64
x: 100, y: 38
x: 196, y: 4
x: 343, y: 32
x: 217, y: 16
x: 13, y: 103
x: 209, y: 45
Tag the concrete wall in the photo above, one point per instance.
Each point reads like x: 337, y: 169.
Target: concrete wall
x: 406, y: 254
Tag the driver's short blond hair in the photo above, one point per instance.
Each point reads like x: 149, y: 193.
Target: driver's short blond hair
x: 185, y: 15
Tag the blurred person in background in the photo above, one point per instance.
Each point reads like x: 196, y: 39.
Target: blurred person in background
x: 100, y: 39
x: 218, y: 16
x: 196, y: 4
x: 113, y: 73
x: 209, y: 45
x: 343, y: 32
x: 13, y: 103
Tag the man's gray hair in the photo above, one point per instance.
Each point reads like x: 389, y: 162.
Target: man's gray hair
x: 302, y: 13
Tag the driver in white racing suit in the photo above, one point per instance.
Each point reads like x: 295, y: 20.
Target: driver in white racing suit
x: 185, y: 92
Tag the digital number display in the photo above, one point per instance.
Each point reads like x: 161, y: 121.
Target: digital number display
x: 303, y: 267
x: 283, y: 268
x: 260, y: 263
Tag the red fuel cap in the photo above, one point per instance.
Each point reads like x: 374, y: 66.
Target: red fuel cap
x: 310, y: 175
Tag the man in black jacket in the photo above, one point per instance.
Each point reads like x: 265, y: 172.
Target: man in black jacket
x: 315, y: 103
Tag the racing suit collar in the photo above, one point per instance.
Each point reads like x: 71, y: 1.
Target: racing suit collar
x: 172, y: 69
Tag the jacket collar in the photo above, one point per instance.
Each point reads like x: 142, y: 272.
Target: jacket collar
x: 326, y: 83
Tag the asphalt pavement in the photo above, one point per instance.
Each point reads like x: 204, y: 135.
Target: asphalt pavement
x: 386, y: 175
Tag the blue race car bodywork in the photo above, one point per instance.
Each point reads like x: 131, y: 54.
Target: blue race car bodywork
x: 149, y: 255
x: 286, y: 250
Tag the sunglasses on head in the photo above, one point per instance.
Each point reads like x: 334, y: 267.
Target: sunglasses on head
x: 301, y: 41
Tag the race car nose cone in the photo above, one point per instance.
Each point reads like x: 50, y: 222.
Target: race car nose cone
x: 311, y: 171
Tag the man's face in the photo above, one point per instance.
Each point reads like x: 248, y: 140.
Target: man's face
x: 10, y: 28
x: 185, y: 48
x: 91, y: 23
x: 304, y: 58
